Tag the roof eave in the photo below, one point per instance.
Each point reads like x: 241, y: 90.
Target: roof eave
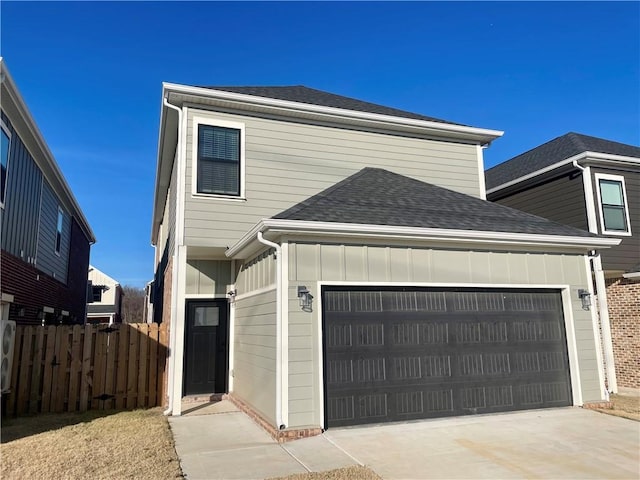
x: 586, y: 157
x: 18, y: 101
x: 474, y: 134
x: 468, y: 237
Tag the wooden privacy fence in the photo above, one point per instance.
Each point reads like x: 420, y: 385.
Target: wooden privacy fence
x: 81, y: 367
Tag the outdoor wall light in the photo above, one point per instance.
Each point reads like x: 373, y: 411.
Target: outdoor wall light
x: 305, y: 298
x: 585, y: 298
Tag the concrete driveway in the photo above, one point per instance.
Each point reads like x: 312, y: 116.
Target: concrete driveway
x: 559, y: 443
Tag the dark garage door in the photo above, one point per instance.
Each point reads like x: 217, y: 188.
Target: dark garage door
x: 394, y: 355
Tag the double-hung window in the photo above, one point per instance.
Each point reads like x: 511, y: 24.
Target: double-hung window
x: 4, y: 160
x: 219, y: 156
x: 613, y: 205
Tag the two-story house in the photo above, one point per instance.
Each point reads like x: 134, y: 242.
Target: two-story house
x: 327, y: 261
x: 104, y: 298
x: 593, y: 184
x: 45, y: 236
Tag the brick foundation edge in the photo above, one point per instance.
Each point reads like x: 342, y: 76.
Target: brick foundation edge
x: 280, y: 436
x: 598, y: 405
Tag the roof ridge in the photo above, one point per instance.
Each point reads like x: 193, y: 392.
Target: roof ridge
x: 577, y: 140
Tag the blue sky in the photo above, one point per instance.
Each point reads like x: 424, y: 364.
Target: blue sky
x: 91, y: 74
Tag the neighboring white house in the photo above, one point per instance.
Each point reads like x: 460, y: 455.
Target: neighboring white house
x: 104, y: 298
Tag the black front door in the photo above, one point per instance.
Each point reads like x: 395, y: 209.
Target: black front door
x: 206, y: 347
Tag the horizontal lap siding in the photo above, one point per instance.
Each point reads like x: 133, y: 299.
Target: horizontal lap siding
x: 254, y: 343
x: 627, y: 254
x: 289, y: 162
x: 309, y: 263
x: 560, y: 200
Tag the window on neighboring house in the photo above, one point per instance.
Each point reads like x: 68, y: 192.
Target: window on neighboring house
x: 4, y: 160
x: 96, y: 293
x: 219, y: 159
x: 614, y: 210
x: 59, y: 231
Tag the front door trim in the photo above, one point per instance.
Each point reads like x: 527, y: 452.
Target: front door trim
x: 222, y: 371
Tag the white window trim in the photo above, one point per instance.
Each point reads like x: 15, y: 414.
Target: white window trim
x: 6, y: 130
x: 55, y: 244
x: 214, y: 122
x: 615, y: 178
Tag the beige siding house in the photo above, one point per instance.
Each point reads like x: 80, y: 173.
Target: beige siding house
x: 326, y: 261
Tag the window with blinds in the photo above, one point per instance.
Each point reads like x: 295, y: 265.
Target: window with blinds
x: 218, y: 160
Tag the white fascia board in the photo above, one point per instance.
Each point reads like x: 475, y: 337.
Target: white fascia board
x: 486, y: 135
x: 632, y: 275
x: 415, y: 233
x: 594, y: 157
x: 21, y: 106
x: 156, y: 191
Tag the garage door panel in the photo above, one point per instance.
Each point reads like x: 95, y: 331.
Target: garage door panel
x: 395, y: 364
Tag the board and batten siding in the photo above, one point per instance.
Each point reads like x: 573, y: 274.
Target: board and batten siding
x: 47, y: 260
x: 207, y: 277
x: 626, y: 255
x: 257, y: 273
x: 288, y: 162
x: 310, y: 263
x: 254, y: 346
x: 561, y: 200
x: 22, y: 200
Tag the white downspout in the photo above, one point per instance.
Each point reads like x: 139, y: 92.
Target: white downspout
x: 601, y: 289
x: 174, y: 283
x: 279, y: 423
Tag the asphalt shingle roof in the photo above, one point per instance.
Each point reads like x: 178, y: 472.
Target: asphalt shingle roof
x: 302, y: 94
x: 375, y: 196
x: 552, y: 152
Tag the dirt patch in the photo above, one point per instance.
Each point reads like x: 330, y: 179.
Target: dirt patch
x: 624, y: 406
x: 348, y: 473
x: 93, y: 445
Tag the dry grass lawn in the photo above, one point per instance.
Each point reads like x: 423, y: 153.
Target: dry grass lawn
x: 348, y: 473
x: 624, y: 406
x: 96, y: 445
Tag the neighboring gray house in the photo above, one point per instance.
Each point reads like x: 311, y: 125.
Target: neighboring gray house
x: 327, y: 261
x: 593, y: 184
x: 46, y: 238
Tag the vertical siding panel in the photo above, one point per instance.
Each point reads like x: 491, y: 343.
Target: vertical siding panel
x: 307, y: 262
x: 480, y: 267
x: 331, y: 262
x: 518, y: 268
x: 355, y: 263
x: 499, y: 267
x: 377, y: 264
x: 421, y: 264
x: 399, y: 263
x: 535, y: 268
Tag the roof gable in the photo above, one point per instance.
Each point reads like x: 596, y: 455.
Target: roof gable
x: 552, y: 152
x: 302, y: 94
x: 378, y: 197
